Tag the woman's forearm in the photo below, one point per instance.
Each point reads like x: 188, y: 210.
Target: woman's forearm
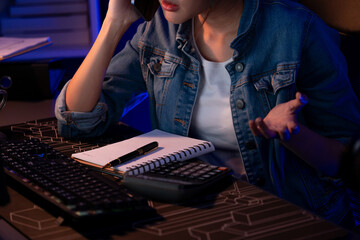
x: 324, y: 154
x: 84, y: 88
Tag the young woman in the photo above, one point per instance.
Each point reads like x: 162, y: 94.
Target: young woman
x: 263, y: 80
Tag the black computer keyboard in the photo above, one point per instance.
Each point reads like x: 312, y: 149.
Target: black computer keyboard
x: 66, y: 188
x: 45, y: 130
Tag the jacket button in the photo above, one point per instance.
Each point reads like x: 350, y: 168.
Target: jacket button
x: 260, y: 181
x: 157, y: 67
x: 240, y: 104
x: 239, y: 67
x: 250, y: 145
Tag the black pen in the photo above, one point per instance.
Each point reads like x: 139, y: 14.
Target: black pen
x: 131, y: 155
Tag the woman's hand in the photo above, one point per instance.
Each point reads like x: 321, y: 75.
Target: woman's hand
x: 121, y: 10
x: 320, y: 152
x: 281, y: 121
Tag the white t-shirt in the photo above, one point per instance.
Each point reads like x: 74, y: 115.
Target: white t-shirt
x: 212, y: 118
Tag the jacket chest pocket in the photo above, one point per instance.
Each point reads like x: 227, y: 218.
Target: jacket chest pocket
x: 161, y: 68
x: 274, y: 82
x: 159, y: 77
x: 160, y: 74
x: 276, y: 87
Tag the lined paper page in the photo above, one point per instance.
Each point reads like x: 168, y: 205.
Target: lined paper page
x: 169, y: 144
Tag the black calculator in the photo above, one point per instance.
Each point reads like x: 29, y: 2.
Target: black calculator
x: 179, y: 181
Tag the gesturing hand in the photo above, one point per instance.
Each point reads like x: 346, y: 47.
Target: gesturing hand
x: 281, y: 121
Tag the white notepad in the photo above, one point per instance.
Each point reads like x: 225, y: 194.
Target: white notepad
x: 172, y: 147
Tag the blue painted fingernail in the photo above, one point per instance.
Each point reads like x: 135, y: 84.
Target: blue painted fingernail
x: 303, y: 99
x: 286, y: 135
x: 296, y: 130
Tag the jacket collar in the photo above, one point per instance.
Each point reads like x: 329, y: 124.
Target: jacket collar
x: 246, y: 27
x: 184, y: 33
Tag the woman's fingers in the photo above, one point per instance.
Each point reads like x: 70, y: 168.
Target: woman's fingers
x: 253, y: 128
x: 263, y: 129
x: 298, y: 103
x: 259, y: 128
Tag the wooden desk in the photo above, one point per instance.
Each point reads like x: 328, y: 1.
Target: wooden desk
x: 242, y: 211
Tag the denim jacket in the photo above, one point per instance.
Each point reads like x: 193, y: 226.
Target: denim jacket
x: 281, y: 48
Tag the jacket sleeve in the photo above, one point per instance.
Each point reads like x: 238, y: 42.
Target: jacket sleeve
x: 123, y: 81
x: 333, y: 109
